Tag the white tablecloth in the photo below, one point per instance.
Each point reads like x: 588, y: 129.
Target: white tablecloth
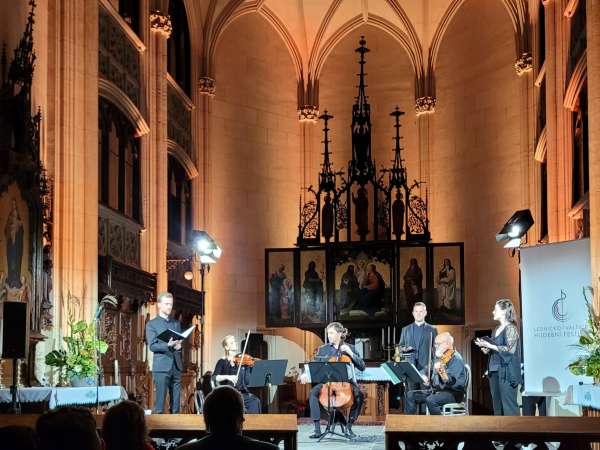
x: 62, y: 396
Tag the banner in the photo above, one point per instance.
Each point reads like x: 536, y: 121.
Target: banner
x: 553, y: 277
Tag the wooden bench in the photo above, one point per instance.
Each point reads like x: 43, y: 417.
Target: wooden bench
x: 477, y: 432
x: 272, y: 428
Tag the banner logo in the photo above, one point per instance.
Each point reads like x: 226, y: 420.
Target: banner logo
x: 558, y: 308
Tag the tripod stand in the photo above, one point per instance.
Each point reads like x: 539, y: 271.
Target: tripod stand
x: 326, y: 373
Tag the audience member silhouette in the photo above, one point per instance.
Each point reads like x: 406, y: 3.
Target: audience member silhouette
x: 18, y: 438
x: 68, y: 429
x: 224, y: 417
x: 124, y: 428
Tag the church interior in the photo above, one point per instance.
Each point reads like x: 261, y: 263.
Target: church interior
x: 280, y: 166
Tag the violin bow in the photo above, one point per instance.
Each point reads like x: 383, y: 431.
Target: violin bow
x: 243, y: 353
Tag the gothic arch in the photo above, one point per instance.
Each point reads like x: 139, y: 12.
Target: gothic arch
x: 114, y: 95
x: 182, y: 158
x: 226, y: 20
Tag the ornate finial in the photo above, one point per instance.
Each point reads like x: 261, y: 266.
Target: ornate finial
x: 397, y: 172
x: 327, y: 176
x: 21, y: 67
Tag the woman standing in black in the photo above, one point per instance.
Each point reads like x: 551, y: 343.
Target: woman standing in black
x: 226, y: 371
x: 504, y: 367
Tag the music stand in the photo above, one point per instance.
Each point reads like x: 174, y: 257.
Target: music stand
x: 326, y: 373
x: 268, y: 373
x: 401, y: 371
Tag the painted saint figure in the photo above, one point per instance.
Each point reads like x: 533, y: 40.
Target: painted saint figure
x: 279, y: 297
x: 413, y: 284
x: 313, y: 289
x: 447, y: 285
x: 14, y: 246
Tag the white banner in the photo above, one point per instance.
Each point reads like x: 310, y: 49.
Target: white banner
x: 553, y: 312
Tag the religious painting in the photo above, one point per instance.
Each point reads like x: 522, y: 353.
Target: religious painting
x: 413, y: 278
x: 313, y: 287
x: 447, y: 302
x: 363, y: 283
x: 279, y: 287
x: 15, y: 270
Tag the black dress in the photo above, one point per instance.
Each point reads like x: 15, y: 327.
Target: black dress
x: 224, y: 367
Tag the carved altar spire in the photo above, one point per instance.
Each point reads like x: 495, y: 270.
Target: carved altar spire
x: 21, y: 67
x: 397, y: 172
x: 361, y: 167
x: 327, y: 176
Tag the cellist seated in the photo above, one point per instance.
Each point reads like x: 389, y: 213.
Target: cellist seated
x: 448, y: 380
x: 335, y: 334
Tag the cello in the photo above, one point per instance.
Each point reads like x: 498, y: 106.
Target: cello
x: 338, y: 394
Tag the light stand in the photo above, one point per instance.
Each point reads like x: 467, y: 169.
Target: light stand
x: 204, y: 268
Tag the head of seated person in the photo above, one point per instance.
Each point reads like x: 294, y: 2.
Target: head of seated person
x: 224, y: 411
x: 18, y: 438
x: 124, y: 427
x: 68, y: 429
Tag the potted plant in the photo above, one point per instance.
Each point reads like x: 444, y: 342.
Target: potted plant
x: 588, y: 360
x: 78, y: 363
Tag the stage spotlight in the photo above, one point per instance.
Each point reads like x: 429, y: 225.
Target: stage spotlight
x: 206, y: 246
x: 188, y: 275
x: 515, y: 228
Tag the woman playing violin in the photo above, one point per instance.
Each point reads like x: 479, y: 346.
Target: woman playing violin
x: 227, y: 370
x: 336, y: 347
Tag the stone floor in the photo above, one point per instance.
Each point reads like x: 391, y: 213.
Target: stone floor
x: 368, y: 438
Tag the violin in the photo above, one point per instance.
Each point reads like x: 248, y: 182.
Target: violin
x: 443, y: 362
x: 244, y: 360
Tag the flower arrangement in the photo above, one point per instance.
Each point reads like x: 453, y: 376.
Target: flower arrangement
x: 588, y: 359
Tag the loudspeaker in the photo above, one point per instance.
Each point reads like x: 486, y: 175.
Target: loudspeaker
x: 15, y: 330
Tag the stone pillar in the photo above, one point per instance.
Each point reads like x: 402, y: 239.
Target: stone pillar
x: 593, y: 73
x: 73, y: 118
x: 156, y: 213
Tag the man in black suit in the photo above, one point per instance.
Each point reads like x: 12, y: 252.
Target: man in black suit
x: 167, y: 364
x: 418, y: 339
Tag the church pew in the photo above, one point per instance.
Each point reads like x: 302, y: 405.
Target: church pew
x: 477, y: 432
x: 266, y: 427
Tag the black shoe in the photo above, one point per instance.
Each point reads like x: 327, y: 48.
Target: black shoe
x: 316, y: 435
x: 349, y: 432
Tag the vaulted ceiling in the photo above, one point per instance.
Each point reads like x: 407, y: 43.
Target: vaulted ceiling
x: 312, y: 28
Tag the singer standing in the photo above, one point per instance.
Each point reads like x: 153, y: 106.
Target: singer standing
x: 167, y: 364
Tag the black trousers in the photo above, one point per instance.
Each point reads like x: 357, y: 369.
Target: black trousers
x: 434, y: 401
x: 504, y: 396
x: 167, y: 382
x: 529, y: 404
x: 251, y: 403
x: 315, y: 406
x: 410, y: 405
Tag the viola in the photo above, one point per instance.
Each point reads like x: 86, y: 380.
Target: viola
x: 244, y: 360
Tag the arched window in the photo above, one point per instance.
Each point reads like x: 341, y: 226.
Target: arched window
x: 581, y: 159
x: 577, y: 38
x: 178, y: 62
x: 180, y: 203
x: 119, y: 154
x: 130, y: 11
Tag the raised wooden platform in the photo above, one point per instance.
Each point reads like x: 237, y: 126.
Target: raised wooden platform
x: 477, y: 432
x: 266, y: 427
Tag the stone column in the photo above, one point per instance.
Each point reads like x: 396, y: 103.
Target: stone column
x: 156, y: 184
x: 73, y: 118
x: 593, y: 73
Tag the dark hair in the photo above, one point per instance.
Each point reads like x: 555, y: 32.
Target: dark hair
x: 509, y: 310
x: 18, y: 438
x: 67, y: 428
x: 124, y: 427
x: 224, y: 410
